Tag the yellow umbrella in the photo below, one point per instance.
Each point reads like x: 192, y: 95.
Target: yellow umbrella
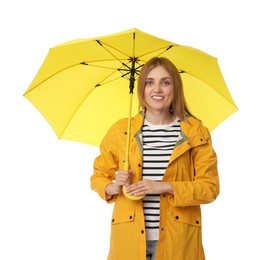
x: 82, y: 87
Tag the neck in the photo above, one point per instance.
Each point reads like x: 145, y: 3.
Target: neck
x: 159, y: 118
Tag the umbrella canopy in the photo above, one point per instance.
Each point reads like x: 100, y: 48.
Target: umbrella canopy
x: 82, y: 87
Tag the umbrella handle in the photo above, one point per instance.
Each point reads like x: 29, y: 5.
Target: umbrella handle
x: 131, y: 197
x: 126, y: 164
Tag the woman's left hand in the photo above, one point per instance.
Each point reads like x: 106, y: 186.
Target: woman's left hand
x: 144, y: 187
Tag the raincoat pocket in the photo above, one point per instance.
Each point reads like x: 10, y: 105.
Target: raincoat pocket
x: 124, y: 216
x: 123, y: 212
x: 184, y: 233
x: 124, y: 243
x: 187, y: 215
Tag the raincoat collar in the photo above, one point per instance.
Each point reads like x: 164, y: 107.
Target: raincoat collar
x: 190, y: 135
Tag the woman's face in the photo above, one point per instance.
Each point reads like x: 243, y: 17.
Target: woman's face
x: 158, y: 91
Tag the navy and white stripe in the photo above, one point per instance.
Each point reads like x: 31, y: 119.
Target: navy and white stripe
x: 158, y: 144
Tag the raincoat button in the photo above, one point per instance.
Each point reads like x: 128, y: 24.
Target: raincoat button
x: 142, y: 231
x: 197, y: 222
x: 113, y: 220
x: 139, y: 164
x: 130, y: 217
x: 162, y: 229
x: 201, y: 139
x: 125, y: 133
x: 177, y: 217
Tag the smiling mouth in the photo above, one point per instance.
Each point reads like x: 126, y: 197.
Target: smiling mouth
x: 157, y: 97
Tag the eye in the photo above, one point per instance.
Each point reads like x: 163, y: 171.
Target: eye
x: 166, y: 82
x: 148, y: 82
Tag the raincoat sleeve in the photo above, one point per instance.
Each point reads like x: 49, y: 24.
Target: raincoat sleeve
x: 204, y: 184
x: 106, y: 164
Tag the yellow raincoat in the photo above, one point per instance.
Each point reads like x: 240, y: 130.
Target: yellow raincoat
x: 192, y: 170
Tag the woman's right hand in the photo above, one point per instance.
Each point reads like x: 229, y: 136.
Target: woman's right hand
x: 123, y: 178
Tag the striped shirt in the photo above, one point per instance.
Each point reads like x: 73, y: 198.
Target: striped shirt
x: 158, y: 144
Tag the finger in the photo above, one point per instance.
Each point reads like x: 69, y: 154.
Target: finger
x: 134, y: 190
x: 139, y: 193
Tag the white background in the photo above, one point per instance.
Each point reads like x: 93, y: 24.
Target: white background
x: 47, y: 209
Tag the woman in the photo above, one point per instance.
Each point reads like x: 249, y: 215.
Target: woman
x: 171, y: 162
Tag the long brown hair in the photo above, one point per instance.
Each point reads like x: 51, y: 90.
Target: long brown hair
x: 178, y: 106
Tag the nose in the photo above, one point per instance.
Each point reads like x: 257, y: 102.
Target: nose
x: 157, y: 88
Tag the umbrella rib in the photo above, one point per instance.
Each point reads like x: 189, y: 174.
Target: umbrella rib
x: 121, y: 70
x: 63, y: 69
x: 103, y: 82
x: 112, y: 54
x: 106, y: 82
x: 164, y: 49
x: 98, y: 66
x: 47, y: 78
